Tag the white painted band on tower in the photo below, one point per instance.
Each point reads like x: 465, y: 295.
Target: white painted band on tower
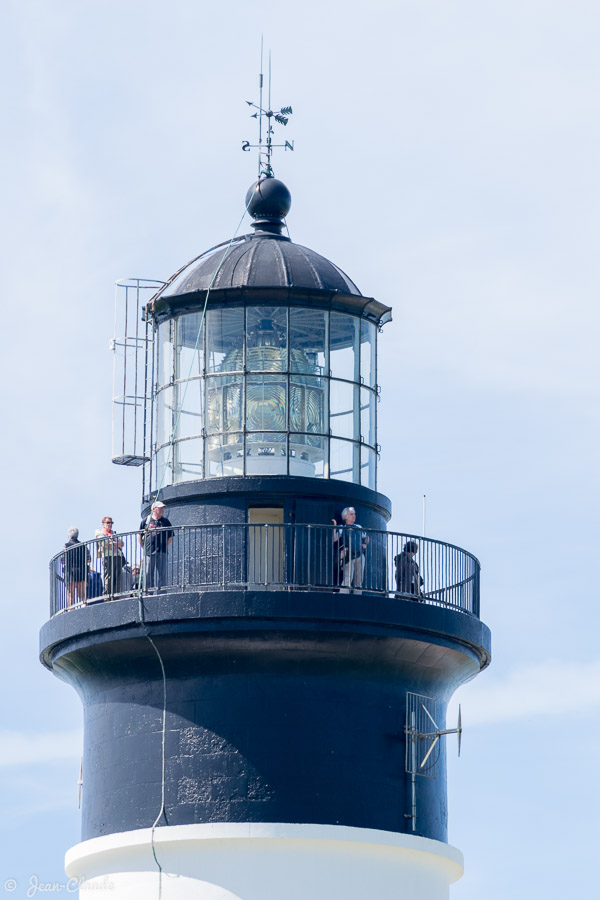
x: 256, y: 861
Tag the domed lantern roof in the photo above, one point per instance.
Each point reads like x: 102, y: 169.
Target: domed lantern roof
x: 265, y: 264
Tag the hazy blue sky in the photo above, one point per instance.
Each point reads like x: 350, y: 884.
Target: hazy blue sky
x: 447, y: 159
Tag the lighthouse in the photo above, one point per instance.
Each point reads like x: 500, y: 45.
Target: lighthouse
x: 266, y: 716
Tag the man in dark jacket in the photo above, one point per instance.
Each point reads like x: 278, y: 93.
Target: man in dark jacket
x: 351, y: 542
x: 408, y: 579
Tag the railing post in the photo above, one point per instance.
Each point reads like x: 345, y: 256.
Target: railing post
x: 223, y: 557
x: 244, y: 552
x: 266, y: 553
x: 181, y: 551
x: 386, y: 563
x: 309, y: 556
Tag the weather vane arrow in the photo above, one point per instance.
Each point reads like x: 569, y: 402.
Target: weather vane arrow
x: 266, y: 145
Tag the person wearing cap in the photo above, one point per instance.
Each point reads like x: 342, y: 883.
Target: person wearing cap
x: 109, y: 550
x: 156, y: 536
x: 408, y: 579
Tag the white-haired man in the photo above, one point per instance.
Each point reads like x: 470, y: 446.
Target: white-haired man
x: 351, y: 542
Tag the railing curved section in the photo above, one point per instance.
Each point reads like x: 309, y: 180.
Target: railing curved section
x: 265, y: 557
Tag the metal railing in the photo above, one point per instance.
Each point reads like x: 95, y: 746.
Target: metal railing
x: 277, y: 557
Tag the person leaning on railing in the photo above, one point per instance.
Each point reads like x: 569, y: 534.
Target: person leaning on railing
x: 156, y: 537
x: 109, y: 550
x: 352, y: 542
x: 408, y: 578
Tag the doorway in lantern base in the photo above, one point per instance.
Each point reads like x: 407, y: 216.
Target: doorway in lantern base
x: 265, y: 545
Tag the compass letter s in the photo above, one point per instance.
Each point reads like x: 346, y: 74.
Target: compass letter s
x: 246, y: 146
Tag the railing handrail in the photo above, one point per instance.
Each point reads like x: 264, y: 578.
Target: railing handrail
x: 299, y: 556
x: 324, y: 525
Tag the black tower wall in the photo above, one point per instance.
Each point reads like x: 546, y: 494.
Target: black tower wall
x: 281, y: 706
x: 314, y: 501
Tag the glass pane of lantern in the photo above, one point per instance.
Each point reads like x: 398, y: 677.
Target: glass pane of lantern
x: 189, y: 343
x: 163, y: 470
x: 307, y: 455
x: 344, y: 346
x: 308, y: 404
x: 224, y: 455
x: 367, y: 353
x: 343, y: 464
x: 342, y: 409
x: 266, y: 453
x: 165, y: 416
x: 266, y: 406
x: 266, y: 339
x: 188, y: 459
x: 319, y: 459
x: 368, y: 467
x: 164, y: 373
x: 190, y: 407
x: 308, y: 341
x: 214, y: 457
x: 367, y: 416
x: 225, y: 340
x: 224, y: 403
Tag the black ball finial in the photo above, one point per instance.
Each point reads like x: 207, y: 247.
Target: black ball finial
x: 268, y: 202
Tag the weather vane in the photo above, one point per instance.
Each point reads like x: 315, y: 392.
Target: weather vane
x: 265, y: 145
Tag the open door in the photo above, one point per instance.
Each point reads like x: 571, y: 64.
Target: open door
x: 265, y: 545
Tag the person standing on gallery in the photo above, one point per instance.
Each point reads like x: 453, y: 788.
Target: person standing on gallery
x: 408, y: 578
x: 75, y: 568
x: 156, y: 538
x: 109, y: 550
x: 352, y: 542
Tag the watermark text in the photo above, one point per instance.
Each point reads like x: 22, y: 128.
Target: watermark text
x: 37, y: 885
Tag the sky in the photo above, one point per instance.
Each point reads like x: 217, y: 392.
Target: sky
x: 446, y: 158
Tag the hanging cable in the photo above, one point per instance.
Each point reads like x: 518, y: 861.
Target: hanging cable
x: 161, y: 811
x: 142, y: 579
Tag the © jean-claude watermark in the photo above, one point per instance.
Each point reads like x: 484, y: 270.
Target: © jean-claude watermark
x: 37, y: 885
